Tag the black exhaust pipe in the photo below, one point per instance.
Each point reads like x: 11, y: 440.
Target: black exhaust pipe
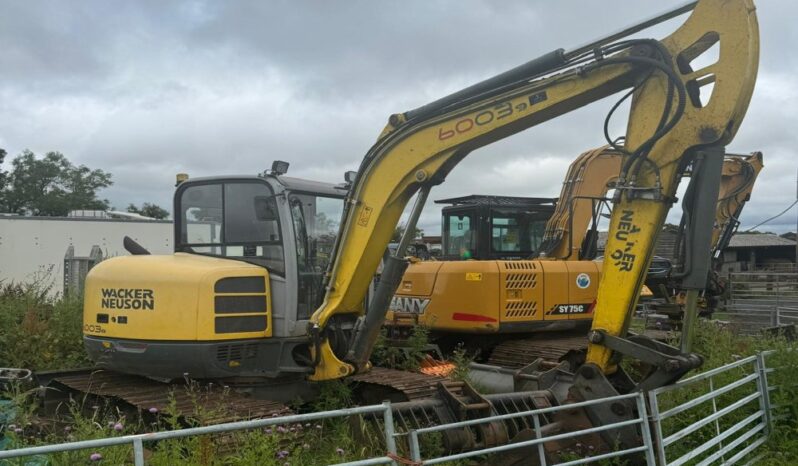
x: 134, y: 248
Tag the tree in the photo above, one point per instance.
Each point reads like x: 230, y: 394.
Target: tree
x: 3, y: 175
x: 149, y: 210
x: 51, y: 186
x: 400, y: 230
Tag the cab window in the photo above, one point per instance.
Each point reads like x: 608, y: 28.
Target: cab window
x: 316, y: 220
x: 516, y: 231
x: 238, y: 220
x: 459, y: 231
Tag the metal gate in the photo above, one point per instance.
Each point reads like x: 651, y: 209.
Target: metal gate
x: 762, y: 299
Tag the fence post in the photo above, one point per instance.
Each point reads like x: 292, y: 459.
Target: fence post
x: 714, y: 411
x: 645, y: 429
x: 138, y: 452
x: 541, y: 452
x: 652, y: 402
x: 415, y: 449
x: 390, y: 440
x: 762, y: 382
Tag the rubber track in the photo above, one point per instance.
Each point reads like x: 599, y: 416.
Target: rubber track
x: 217, y: 404
x: 412, y: 384
x: 519, y: 353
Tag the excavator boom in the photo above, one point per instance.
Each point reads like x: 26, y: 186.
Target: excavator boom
x: 668, y: 124
x: 586, y: 184
x: 737, y: 182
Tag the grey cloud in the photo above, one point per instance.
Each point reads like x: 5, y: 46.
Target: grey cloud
x: 148, y: 89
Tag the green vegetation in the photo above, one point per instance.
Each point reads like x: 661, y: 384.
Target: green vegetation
x: 720, y: 346
x: 149, y: 210
x: 406, y: 357
x: 304, y: 444
x: 41, y: 332
x: 50, y: 185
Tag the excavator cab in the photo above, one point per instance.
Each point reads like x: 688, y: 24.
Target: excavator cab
x: 235, y: 297
x: 493, y: 227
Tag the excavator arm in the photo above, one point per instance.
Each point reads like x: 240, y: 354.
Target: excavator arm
x: 587, y: 181
x: 591, y: 175
x: 666, y: 126
x: 737, y: 182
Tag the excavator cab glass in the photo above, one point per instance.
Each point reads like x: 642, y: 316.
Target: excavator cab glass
x: 236, y: 219
x: 460, y: 238
x: 517, y: 231
x: 316, y: 220
x: 493, y: 227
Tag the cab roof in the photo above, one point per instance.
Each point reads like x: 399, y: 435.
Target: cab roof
x: 290, y: 183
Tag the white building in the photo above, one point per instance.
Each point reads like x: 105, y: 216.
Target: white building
x: 33, y: 248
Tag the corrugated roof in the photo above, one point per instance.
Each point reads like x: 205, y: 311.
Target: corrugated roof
x: 749, y: 240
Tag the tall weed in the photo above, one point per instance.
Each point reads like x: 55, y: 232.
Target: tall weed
x: 40, y: 331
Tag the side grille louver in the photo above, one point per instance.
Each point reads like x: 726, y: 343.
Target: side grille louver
x: 236, y: 352
x: 241, y: 305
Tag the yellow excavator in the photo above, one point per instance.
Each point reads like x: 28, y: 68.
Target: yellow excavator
x: 231, y: 301
x: 506, y: 294
x: 494, y: 297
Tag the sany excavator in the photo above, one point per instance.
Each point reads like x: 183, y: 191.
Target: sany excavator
x: 229, y: 303
x: 495, y: 304
x: 503, y: 295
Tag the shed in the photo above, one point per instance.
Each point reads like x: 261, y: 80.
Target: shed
x: 750, y: 251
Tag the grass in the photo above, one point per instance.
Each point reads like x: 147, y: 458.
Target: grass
x: 41, y: 332
x: 310, y: 443
x: 719, y: 346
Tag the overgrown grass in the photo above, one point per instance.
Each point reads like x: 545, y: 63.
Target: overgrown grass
x: 408, y: 356
x: 40, y: 331
x: 720, y: 346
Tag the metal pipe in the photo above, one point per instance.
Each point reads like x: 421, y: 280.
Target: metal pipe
x: 170, y: 434
x: 689, y: 321
x: 529, y: 443
x: 387, y: 422
x: 412, y: 221
x: 530, y: 69
x: 629, y: 30
x: 703, y: 375
x: 503, y: 417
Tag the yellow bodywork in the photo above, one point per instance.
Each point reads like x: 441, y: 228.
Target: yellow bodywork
x: 736, y: 183
x: 589, y: 177
x: 478, y: 296
x: 444, y: 296
x: 636, y: 221
x: 169, y: 298
x: 408, y: 156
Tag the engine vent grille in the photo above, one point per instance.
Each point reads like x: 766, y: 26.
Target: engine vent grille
x: 520, y: 280
x: 236, y: 352
x: 520, y: 265
x: 520, y: 309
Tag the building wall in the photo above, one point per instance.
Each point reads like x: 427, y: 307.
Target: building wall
x: 33, y: 248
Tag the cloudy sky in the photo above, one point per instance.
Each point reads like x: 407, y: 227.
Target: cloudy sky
x: 149, y: 89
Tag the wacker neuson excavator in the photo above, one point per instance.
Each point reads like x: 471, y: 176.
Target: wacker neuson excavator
x: 254, y: 256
